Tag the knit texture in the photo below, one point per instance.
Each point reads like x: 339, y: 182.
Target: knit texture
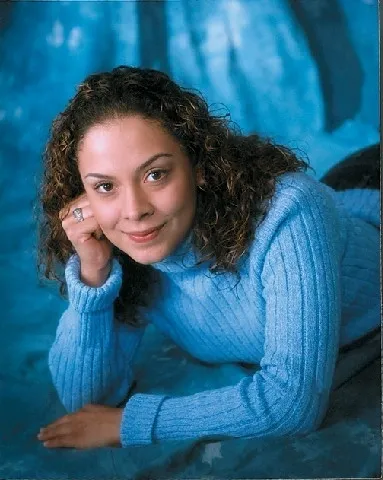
x: 309, y: 284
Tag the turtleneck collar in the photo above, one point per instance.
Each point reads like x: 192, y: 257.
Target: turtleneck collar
x: 184, y: 257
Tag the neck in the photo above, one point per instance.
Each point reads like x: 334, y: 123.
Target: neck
x: 184, y: 257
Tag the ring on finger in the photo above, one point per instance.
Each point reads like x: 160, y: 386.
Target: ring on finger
x: 77, y: 213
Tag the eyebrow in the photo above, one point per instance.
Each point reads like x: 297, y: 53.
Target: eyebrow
x: 141, y: 167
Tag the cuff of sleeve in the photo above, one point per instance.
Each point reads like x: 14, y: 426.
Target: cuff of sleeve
x: 87, y: 299
x: 138, y: 419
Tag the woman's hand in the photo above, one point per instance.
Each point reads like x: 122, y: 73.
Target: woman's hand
x: 94, y: 250
x: 90, y: 427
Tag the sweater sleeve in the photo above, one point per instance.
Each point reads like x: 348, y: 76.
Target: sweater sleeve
x: 90, y: 360
x: 300, y: 279
x: 362, y: 203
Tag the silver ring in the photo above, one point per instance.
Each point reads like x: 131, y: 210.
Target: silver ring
x: 77, y: 213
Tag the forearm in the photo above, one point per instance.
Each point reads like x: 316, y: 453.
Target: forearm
x: 255, y: 407
x: 87, y: 364
x: 90, y: 359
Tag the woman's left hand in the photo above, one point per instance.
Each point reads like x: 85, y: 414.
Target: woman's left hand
x: 90, y: 427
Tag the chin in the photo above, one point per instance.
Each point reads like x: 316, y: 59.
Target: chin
x: 147, y: 258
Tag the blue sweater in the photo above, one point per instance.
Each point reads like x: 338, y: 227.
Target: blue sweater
x: 309, y: 284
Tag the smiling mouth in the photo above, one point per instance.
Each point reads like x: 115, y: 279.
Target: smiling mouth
x: 145, y: 232
x: 147, y: 237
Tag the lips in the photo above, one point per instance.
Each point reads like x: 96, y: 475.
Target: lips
x: 145, y: 232
x: 143, y: 237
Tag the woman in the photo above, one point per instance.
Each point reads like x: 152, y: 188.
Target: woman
x: 163, y: 214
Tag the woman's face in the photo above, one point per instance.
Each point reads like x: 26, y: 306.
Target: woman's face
x: 137, y: 178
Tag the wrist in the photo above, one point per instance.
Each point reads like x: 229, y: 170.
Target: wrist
x: 84, y: 298
x: 95, y: 277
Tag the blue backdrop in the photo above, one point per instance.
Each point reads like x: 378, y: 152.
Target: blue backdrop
x: 304, y: 72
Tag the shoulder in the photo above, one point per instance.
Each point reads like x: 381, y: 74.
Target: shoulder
x: 298, y: 199
x: 297, y: 193
x: 298, y: 187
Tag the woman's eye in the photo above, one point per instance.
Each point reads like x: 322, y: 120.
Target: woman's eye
x: 157, y: 174
x: 105, y: 187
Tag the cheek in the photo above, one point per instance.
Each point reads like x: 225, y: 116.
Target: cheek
x: 182, y: 197
x: 105, y: 215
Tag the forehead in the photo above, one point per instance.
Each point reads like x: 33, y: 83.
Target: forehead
x: 132, y: 132
x: 126, y: 144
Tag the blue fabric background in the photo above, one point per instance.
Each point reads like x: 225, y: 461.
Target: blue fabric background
x: 302, y: 71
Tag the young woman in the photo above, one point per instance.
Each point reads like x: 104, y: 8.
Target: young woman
x: 162, y: 214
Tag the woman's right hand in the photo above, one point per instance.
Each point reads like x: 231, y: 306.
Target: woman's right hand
x: 87, y: 238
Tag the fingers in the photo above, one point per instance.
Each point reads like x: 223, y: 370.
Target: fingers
x: 58, y: 434
x: 59, y: 442
x: 62, y: 432
x: 86, y: 236
x: 69, y: 219
x: 63, y: 439
x: 60, y: 421
x: 66, y: 215
x: 79, y: 202
x: 52, y: 432
x: 90, y: 427
x: 79, y: 233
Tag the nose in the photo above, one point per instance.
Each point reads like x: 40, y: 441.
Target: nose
x: 135, y: 204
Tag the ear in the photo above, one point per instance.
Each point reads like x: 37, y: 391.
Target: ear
x: 200, y: 181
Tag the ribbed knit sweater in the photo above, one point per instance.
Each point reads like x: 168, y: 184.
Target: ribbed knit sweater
x: 309, y: 284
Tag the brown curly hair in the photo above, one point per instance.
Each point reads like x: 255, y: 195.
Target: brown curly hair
x: 238, y: 173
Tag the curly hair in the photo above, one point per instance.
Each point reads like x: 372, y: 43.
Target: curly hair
x: 238, y: 173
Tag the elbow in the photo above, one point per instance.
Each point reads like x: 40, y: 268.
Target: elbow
x: 70, y: 402
x: 73, y: 403
x: 297, y: 418
x: 74, y: 393
x: 308, y: 419
x: 65, y: 386
x: 281, y: 424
